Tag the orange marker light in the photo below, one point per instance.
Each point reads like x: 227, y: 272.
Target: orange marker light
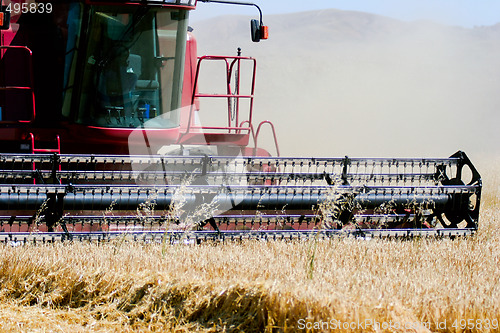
x: 264, y: 32
x: 1, y: 19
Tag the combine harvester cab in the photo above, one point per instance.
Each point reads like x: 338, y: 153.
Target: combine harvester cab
x: 115, y: 149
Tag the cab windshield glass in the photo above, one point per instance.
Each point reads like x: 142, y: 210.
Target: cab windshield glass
x: 133, y: 67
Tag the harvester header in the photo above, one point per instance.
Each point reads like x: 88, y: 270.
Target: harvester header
x: 100, y: 136
x: 241, y: 197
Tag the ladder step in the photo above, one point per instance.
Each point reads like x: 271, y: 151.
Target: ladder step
x: 45, y: 150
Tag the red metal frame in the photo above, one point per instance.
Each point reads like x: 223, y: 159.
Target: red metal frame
x: 31, y: 88
x: 255, y: 135
x: 233, y: 127
x: 45, y: 150
x: 236, y: 133
x: 266, y: 122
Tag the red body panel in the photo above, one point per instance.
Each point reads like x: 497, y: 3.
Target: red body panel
x: 83, y: 139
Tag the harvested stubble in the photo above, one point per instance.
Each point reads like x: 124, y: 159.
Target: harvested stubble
x: 255, y: 286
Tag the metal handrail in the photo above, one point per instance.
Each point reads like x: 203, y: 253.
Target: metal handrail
x: 274, y: 135
x: 230, y: 62
x: 31, y: 87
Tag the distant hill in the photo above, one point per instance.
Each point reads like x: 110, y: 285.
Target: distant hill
x: 342, y: 82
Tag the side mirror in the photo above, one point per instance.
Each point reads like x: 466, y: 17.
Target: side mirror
x: 4, y: 18
x: 258, y: 31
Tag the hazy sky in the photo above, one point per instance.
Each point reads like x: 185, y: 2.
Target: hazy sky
x: 467, y: 13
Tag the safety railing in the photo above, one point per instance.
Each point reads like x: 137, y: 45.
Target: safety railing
x: 30, y: 88
x: 233, y: 96
x: 255, y: 135
x: 35, y: 150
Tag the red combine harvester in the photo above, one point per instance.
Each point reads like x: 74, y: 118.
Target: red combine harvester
x: 100, y: 136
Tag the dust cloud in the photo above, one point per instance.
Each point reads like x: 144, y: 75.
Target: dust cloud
x: 341, y: 83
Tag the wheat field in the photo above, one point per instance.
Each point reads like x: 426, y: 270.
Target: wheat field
x: 344, y: 285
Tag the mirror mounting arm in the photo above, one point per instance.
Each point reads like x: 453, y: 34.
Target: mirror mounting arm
x: 228, y: 2
x: 258, y: 29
